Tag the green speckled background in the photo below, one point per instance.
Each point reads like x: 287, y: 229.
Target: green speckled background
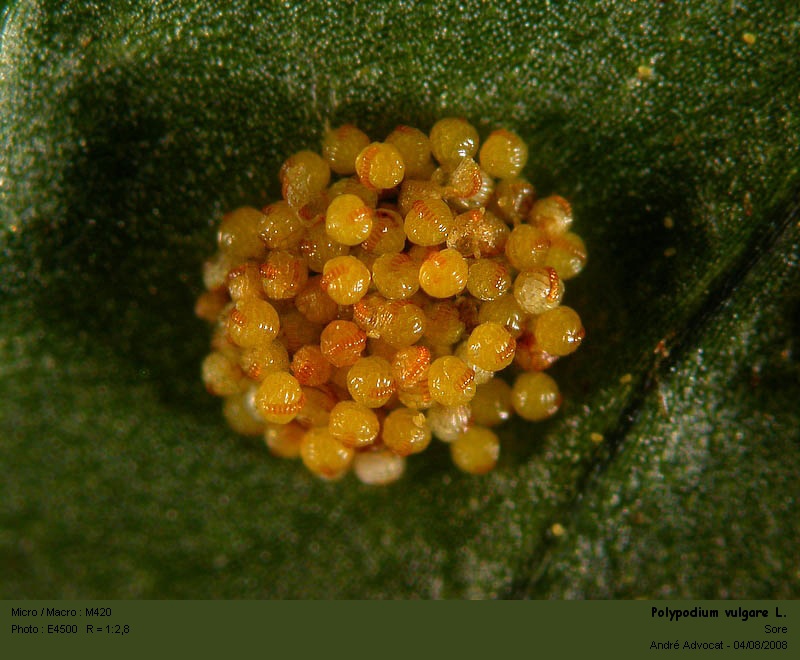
x: 127, y: 130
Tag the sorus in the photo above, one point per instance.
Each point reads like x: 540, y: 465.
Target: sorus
x: 354, y: 319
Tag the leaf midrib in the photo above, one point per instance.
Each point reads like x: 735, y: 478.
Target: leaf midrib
x: 781, y: 220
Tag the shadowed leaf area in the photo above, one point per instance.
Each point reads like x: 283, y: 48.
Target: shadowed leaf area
x: 128, y: 130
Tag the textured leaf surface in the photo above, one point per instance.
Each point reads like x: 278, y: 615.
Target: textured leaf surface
x: 127, y: 131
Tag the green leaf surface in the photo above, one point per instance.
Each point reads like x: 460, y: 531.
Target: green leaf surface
x: 128, y: 128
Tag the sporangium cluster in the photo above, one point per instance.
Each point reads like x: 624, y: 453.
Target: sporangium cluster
x: 377, y: 304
